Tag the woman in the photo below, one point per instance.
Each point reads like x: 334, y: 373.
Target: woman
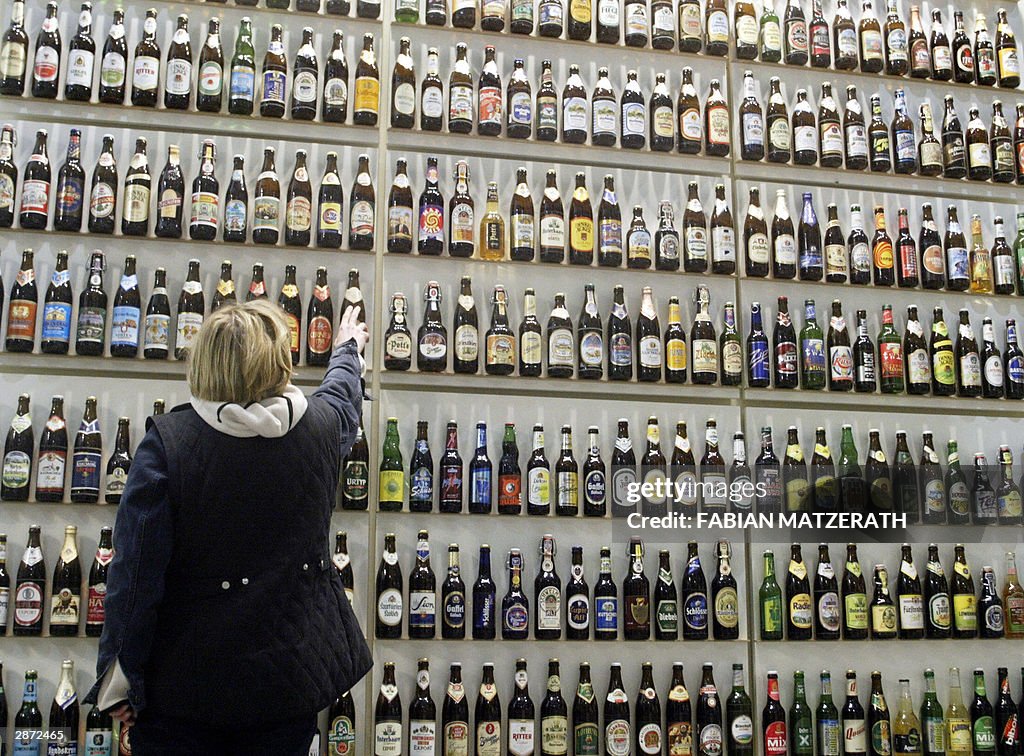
x: 227, y: 627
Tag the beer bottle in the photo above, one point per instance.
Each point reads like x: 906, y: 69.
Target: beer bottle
x: 827, y: 617
x: 146, y: 64
x: 242, y: 78
x: 648, y: 735
x: 619, y: 339
x: 965, y: 611
x: 15, y: 53
x: 665, y: 601
x: 723, y: 244
x: 798, y: 598
x: 730, y: 349
x: 64, y: 711
x: 119, y: 463
x: 274, y: 76
x: 786, y: 373
x: 983, y: 733
x: 92, y: 311
x: 581, y: 225
x: 460, y: 92
x: 854, y: 596
x: 590, y: 363
x: 825, y: 487
x: 991, y: 362
x: 554, y: 724
x: 85, y: 461
x: 362, y: 201
x: 777, y: 130
x: 487, y: 715
x: 990, y: 607
x: 538, y: 472
x: 877, y: 476
x: 725, y: 613
x: 480, y: 493
x: 638, y: 241
x: 703, y: 343
x: 205, y: 197
x: 137, y: 189
x: 432, y: 337
x: 484, y: 625
x: 910, y: 597
x: 770, y: 601
x: 984, y: 53
x: 826, y: 720
x: 959, y: 734
x: 755, y: 237
x: 520, y: 738
x: 623, y: 471
x: 387, y: 715
x: 547, y: 105
x: 178, y: 74
x: 852, y: 718
x: 298, y: 216
x: 1013, y: 599
x: 21, y: 314
x: 567, y: 478
x: 577, y: 604
x: 636, y: 595
x: 929, y: 150
x: 515, y: 607
x: 852, y: 486
x: 716, y: 121
x: 979, y: 261
x: 334, y: 106
x: 547, y: 588
x: 99, y: 730
x: 460, y: 215
x: 1003, y: 266
x: 674, y: 344
x: 561, y: 348
x: 421, y: 471
x: 521, y: 221
x: 585, y: 725
x: 170, y: 197
x: 709, y: 715
x: 103, y: 191
x: 933, y: 727
x: 712, y: 472
x: 662, y: 129
x: 453, y: 598
x: 400, y: 211
x: 500, y: 341
x: 904, y: 480
x: 1013, y: 363
x: 890, y: 355
x: 389, y: 592
x: 773, y: 721
x: 210, y: 79
x: 66, y: 600
x: 574, y: 101
x: 812, y: 349
x: 124, y: 323
x: 883, y: 268
x: 70, y: 191
x: 804, y: 131
x: 617, y: 726
x: 391, y: 477
x: 969, y: 380
x: 18, y: 451
x: 35, y: 188
x: 422, y: 588
x: 632, y: 112
x: 95, y: 612
x: 320, y: 320
x: 878, y: 719
x: 267, y: 202
x: 8, y: 170
x: 695, y: 236
x: 302, y: 106
x: 794, y: 477
x: 738, y: 710
x: 768, y: 482
x: 236, y: 203
x: 648, y: 340
x: 979, y: 151
x: 690, y: 133
x: 957, y: 494
x: 158, y: 316
x: 492, y: 227
x: 455, y: 714
x: 355, y: 474
x: 53, y: 452
x: 30, y: 588
x: 519, y: 114
x: 840, y: 354
x: 431, y: 213
x: 1007, y: 727
x: 683, y: 474
x: 606, y: 601
x: 1007, y: 494
x: 931, y: 483
x: 46, y: 64
x: 341, y: 719
x: 192, y: 309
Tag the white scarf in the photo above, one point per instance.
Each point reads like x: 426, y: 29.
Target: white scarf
x: 270, y: 418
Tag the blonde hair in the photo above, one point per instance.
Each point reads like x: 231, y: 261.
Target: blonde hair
x: 242, y: 354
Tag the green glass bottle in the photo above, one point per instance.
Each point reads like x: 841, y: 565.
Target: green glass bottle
x: 242, y: 84
x: 852, y: 488
x: 958, y: 496
x: 770, y: 599
x: 801, y: 727
x: 391, y: 480
x: 407, y: 11
x: 812, y: 350
x: 982, y: 720
x: 827, y: 734
x: 890, y: 355
x: 933, y: 724
x: 1018, y: 252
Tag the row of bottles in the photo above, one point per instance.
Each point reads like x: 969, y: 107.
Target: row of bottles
x: 682, y: 483
x: 846, y: 139
x: 572, y: 609
x: 812, y: 358
x: 61, y: 735
x: 75, y: 599
x: 133, y: 329
x: 895, y: 47
x: 277, y: 211
x: 919, y: 605
x: 712, y: 724
x: 551, y: 234
x: 207, y: 81
x: 45, y: 474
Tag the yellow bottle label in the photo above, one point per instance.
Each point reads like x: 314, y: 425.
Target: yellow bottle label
x: 965, y: 611
x: 857, y: 611
x: 390, y: 485
x: 582, y: 234
x: 958, y: 736
x: 367, y: 94
x: 883, y: 619
x: 675, y: 354
x: 580, y: 11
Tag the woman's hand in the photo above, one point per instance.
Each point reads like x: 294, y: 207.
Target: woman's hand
x: 124, y: 714
x: 351, y: 328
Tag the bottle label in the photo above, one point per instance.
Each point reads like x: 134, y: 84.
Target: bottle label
x: 178, y: 80
x: 91, y: 325
x: 124, y: 326
x: 871, y: 44
x: 705, y: 356
x: 243, y: 83
x: 85, y: 472
x: 574, y: 113
x: 560, y: 347
x: 28, y: 604
x: 211, y: 79
x: 634, y: 119
x: 520, y: 737
x: 805, y: 139
x: 549, y: 608
x: 831, y: 139
x: 80, y: 63
x: 617, y: 738
x: 856, y: 605
x: 389, y: 607
x: 341, y: 737
x: 718, y: 124
x: 690, y: 125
